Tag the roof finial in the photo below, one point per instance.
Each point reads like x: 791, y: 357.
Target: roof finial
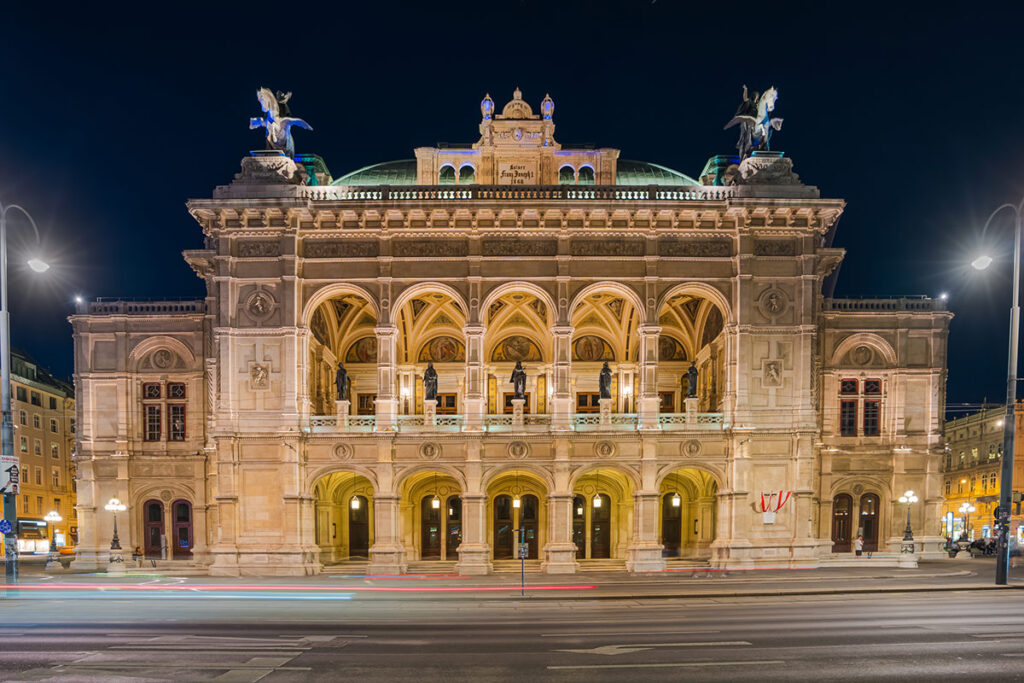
x: 518, y: 94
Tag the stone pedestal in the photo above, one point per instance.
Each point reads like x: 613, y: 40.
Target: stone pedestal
x: 647, y: 412
x: 342, y: 408
x: 606, y: 410
x: 53, y: 562
x: 692, y: 405
x: 908, y: 558
x: 517, y: 411
x: 115, y: 565
x: 386, y: 413
x: 429, y: 413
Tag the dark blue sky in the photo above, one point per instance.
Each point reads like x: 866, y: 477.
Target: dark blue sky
x: 110, y: 121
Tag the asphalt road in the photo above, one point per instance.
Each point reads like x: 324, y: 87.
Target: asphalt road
x: 199, y: 635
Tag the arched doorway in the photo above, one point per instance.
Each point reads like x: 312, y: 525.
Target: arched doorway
x: 868, y: 522
x: 431, y: 512
x: 602, y: 514
x: 181, y: 516
x: 689, y: 513
x: 153, y: 528
x: 344, y: 516
x: 841, y: 507
x: 516, y: 503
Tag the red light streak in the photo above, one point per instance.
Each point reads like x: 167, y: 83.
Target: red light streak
x: 297, y: 589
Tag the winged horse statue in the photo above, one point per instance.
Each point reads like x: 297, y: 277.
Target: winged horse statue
x: 279, y: 128
x: 755, y: 121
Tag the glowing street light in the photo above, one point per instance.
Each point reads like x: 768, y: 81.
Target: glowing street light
x: 982, y: 262
x: 6, y: 425
x: 908, y: 535
x: 966, y: 509
x: 53, y: 561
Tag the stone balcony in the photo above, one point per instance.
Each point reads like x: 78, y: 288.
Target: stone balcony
x: 581, y: 422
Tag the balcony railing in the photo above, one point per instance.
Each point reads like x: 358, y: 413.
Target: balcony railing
x: 471, y: 193
x: 582, y: 422
x: 904, y: 303
x: 121, y: 307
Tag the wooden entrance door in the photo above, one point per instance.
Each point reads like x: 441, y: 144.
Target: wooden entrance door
x: 153, y: 523
x: 528, y: 518
x: 841, y: 507
x: 358, y: 527
x: 671, y: 525
x: 182, y: 543
x: 504, y: 538
x: 431, y: 529
x: 869, y: 521
x: 453, y: 535
x: 601, y: 527
x: 579, y: 525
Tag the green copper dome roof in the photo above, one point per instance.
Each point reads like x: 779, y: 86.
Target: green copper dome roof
x: 646, y: 173
x: 403, y: 172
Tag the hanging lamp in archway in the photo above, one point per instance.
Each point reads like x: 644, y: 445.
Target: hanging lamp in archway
x: 435, y: 502
x: 597, y: 490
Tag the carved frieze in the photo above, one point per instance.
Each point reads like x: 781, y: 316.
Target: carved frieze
x: 258, y: 249
x: 519, y: 247
x: 429, y: 248
x: 696, y: 248
x: 607, y: 247
x: 775, y: 248
x: 340, y: 249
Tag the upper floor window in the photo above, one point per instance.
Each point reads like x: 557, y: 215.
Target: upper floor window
x: 861, y: 399
x: 23, y: 417
x: 55, y: 451
x: 37, y: 422
x: 947, y: 487
x: 53, y: 403
x: 585, y: 176
x: 53, y: 425
x: 467, y: 175
x: 37, y: 399
x: 176, y: 390
x: 21, y: 394
x: 23, y: 444
x: 446, y: 176
x: 156, y: 404
x: 37, y: 447
x: 567, y: 175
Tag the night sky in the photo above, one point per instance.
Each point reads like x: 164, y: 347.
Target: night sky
x: 914, y: 116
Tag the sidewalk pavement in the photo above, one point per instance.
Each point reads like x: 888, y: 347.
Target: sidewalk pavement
x: 929, y: 576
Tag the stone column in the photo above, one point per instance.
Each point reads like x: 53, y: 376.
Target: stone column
x: 561, y: 399
x: 475, y: 397
x: 645, y: 548
x: 560, y: 552
x: 387, y: 555
x: 386, y: 406
x: 648, y: 402
x: 474, y: 551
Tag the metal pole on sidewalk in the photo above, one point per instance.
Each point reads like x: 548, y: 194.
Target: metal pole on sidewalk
x: 522, y: 560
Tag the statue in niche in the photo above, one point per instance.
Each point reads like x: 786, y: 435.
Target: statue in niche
x: 518, y: 380
x: 341, y: 382
x: 604, y: 381
x: 691, y: 381
x: 430, y: 383
x: 755, y: 121
x: 277, y: 122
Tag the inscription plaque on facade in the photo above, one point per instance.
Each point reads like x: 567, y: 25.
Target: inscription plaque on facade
x: 517, y: 173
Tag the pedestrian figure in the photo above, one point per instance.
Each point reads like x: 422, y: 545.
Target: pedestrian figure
x: 858, y: 546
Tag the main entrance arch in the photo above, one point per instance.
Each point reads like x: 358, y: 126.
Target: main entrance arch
x: 602, y: 514
x: 518, y: 500
x: 344, y: 516
x: 431, y: 512
x: 688, y: 510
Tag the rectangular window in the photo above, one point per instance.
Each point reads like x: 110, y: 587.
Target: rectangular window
x: 39, y: 476
x: 56, y: 504
x: 848, y: 418
x: 668, y: 401
x: 24, y: 475
x: 873, y: 386
x: 872, y: 410
x: 587, y: 402
x: 23, y: 417
x: 37, y: 399
x: 55, y: 451
x: 151, y: 390
x: 39, y: 504
x: 37, y: 422
x: 53, y: 403
x: 56, y: 478
x: 37, y: 447
x: 152, y: 423
x: 848, y: 386
x: 22, y: 394
x: 72, y: 423
x: 364, y: 404
x: 446, y: 404
x: 176, y: 425
x: 508, y: 403
x: 53, y: 425
x: 23, y: 444
x: 947, y: 487
x: 176, y: 390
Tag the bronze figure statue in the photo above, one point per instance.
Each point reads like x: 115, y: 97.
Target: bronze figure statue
x: 430, y: 383
x: 341, y: 382
x: 518, y: 380
x: 604, y: 381
x: 691, y: 381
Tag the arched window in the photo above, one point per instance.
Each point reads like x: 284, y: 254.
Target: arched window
x: 446, y: 175
x: 586, y: 176
x: 566, y: 175
x: 467, y: 175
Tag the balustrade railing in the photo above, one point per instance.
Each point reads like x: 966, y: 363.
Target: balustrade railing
x: 686, y: 421
x: 504, y: 422
x: 506, y: 192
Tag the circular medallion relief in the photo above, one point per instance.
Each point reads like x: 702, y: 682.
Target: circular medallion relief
x: 773, y: 302
x: 259, y: 304
x: 166, y: 495
x: 342, y: 451
x: 430, y: 450
x: 163, y: 359
x: 858, y: 489
x: 518, y: 450
x: 604, y: 449
x: 690, y: 448
x: 862, y: 355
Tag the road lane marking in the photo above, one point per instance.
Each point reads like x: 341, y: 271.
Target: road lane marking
x: 639, y: 647
x: 669, y: 665
x: 631, y: 633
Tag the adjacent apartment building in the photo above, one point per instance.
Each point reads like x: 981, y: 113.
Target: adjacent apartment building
x: 44, y: 427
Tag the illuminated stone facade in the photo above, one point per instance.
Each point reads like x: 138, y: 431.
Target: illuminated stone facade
x: 470, y: 258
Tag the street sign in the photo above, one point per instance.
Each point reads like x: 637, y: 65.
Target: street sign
x: 5, y: 527
x: 522, y: 551
x: 9, y: 473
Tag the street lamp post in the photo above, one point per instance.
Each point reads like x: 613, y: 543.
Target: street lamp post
x: 116, y: 561
x: 53, y: 561
x: 966, y: 509
x: 6, y: 423
x: 1009, y: 424
x: 908, y: 533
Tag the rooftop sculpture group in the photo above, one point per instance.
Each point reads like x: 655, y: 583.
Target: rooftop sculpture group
x: 278, y: 120
x: 755, y: 121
